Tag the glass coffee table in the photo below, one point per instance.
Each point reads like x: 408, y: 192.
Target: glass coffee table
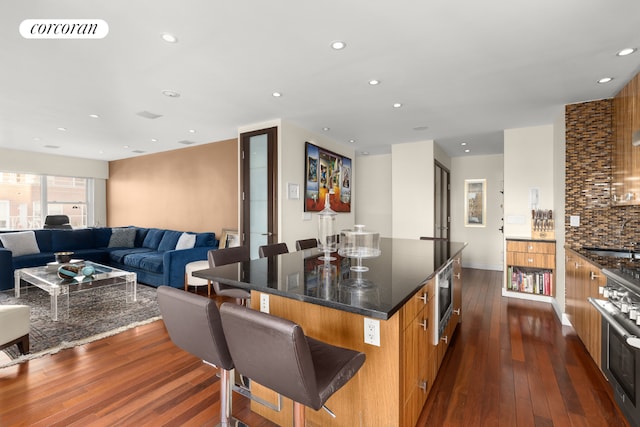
x: 46, y: 278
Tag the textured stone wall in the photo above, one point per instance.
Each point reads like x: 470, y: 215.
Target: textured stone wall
x: 589, y: 160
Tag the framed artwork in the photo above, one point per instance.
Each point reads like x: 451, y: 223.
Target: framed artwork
x: 229, y: 239
x: 326, y: 170
x: 475, y: 202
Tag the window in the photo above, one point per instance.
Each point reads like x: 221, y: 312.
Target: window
x: 26, y: 199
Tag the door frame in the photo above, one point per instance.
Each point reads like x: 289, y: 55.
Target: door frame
x: 272, y: 183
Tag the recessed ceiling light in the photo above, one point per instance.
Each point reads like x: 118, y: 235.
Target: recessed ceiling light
x: 170, y: 93
x: 605, y: 80
x: 352, y: 141
x: 169, y: 38
x: 154, y: 140
x: 276, y: 94
x: 463, y: 143
x: 364, y: 153
x: 62, y: 129
x: 326, y: 129
x: 467, y: 150
x: 418, y: 128
x: 374, y: 82
x: 397, y: 105
x: 94, y: 116
x: 627, y: 51
x: 338, y: 45
x: 100, y: 152
x: 125, y: 146
x: 36, y: 139
x: 192, y: 131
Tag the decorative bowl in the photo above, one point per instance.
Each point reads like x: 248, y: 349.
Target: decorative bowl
x: 69, y: 271
x: 63, y: 257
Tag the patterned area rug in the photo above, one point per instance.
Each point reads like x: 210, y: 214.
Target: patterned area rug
x: 93, y: 314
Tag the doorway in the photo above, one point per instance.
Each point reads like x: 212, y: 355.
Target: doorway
x: 442, y: 205
x: 259, y: 169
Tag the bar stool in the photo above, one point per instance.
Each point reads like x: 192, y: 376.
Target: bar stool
x: 275, y: 353
x: 219, y: 257
x: 193, y: 323
x: 272, y: 250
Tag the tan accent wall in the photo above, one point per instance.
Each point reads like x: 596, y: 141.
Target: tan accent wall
x: 190, y: 189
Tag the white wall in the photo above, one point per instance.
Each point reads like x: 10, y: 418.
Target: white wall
x: 412, y: 189
x: 485, y: 244
x: 559, y: 160
x: 528, y: 163
x: 51, y: 164
x: 291, y: 160
x: 373, y: 204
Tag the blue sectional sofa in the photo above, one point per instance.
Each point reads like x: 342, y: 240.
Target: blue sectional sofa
x: 151, y: 252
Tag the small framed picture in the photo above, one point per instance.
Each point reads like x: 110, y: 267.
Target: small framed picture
x: 230, y: 238
x: 475, y: 202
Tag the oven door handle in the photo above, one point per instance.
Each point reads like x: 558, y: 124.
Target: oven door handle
x: 632, y: 340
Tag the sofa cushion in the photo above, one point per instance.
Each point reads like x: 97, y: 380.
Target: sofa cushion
x: 153, y: 238
x: 101, y: 236
x: 169, y: 240
x: 69, y: 240
x: 141, y: 233
x: 20, y: 243
x: 122, y: 238
x: 117, y: 255
x: 152, y: 262
x: 186, y: 241
x: 43, y: 237
x: 205, y: 239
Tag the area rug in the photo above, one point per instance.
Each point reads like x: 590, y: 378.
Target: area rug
x: 93, y: 314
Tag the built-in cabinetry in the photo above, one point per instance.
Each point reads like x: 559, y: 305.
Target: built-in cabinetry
x: 583, y: 280
x: 626, y: 156
x: 530, y: 268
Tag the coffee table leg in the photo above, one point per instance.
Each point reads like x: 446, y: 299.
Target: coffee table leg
x: 54, y: 303
x: 16, y: 278
x: 132, y: 280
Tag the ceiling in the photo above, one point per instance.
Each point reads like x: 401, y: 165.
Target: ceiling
x: 463, y: 71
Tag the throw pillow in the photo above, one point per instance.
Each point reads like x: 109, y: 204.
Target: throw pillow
x: 122, y: 238
x: 186, y: 241
x: 20, y: 243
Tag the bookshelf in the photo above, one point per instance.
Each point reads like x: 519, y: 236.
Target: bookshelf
x: 530, y: 268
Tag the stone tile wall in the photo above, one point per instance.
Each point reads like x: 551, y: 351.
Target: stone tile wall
x: 589, y: 160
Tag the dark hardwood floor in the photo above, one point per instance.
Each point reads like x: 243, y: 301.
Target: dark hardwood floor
x: 511, y: 363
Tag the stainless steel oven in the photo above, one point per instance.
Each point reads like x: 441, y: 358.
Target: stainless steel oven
x: 443, y: 300
x: 620, y: 312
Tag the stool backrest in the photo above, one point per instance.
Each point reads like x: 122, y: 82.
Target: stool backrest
x: 306, y: 244
x: 218, y: 257
x: 272, y: 351
x: 194, y: 324
x: 272, y: 250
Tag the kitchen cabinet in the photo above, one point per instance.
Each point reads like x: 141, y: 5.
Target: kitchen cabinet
x: 530, y: 267
x: 584, y: 280
x: 626, y: 157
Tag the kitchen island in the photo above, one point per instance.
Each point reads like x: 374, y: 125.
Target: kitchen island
x: 386, y: 312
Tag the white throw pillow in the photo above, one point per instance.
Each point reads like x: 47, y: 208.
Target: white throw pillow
x: 20, y: 243
x: 186, y: 241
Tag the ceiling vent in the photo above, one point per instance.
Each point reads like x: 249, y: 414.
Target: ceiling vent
x: 137, y: 151
x: 186, y: 142
x: 148, y: 115
x: 52, y: 146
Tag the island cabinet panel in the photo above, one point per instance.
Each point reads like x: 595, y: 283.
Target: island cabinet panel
x: 584, y: 280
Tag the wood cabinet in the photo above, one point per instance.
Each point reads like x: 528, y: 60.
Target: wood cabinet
x: 584, y: 280
x: 626, y: 157
x: 418, y: 355
x: 531, y: 267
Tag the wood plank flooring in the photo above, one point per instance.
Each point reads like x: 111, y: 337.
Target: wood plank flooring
x: 511, y: 363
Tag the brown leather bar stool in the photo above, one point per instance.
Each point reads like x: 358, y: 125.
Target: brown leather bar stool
x: 219, y: 257
x: 306, y: 244
x: 275, y: 353
x: 193, y: 323
x: 272, y: 250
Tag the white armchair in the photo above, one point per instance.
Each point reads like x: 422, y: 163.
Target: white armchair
x: 15, y: 326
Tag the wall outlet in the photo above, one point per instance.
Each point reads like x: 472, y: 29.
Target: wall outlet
x: 264, y: 303
x: 372, y: 331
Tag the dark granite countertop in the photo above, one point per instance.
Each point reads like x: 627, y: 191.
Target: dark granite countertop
x: 402, y: 268
x: 608, y: 262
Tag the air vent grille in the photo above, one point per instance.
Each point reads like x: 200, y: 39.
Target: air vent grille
x: 148, y: 115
